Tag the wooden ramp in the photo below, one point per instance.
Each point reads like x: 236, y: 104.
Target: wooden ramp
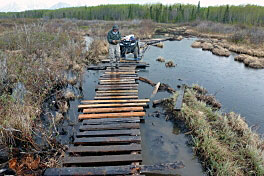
x: 108, y: 140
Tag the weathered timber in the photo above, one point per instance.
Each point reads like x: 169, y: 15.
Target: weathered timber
x: 122, y: 109
x: 111, y: 105
x: 121, y: 85
x: 117, y: 83
x: 114, y: 97
x: 179, y: 100
x: 107, y: 140
x: 110, y: 120
x: 117, y: 88
x: 120, y: 73
x: 114, y: 101
x: 105, y: 149
x: 116, y: 94
x: 107, y: 133
x: 113, y: 170
x: 117, y: 91
x: 117, y: 80
x: 103, y: 159
x: 111, y: 115
x: 109, y: 126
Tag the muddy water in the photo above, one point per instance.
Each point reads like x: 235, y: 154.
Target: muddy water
x: 239, y: 89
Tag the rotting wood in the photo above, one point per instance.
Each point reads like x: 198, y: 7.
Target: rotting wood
x: 161, y: 87
x: 121, y: 73
x: 116, y: 94
x: 114, y: 126
x: 107, y: 133
x: 122, y: 109
x: 117, y: 88
x: 102, y: 159
x: 178, y: 104
x: 111, y: 105
x: 104, y: 149
x: 111, y: 115
x: 117, y: 83
x: 114, y: 97
x: 114, y: 101
x: 118, y: 80
x: 113, y: 170
x: 110, y: 120
x: 107, y: 140
x: 117, y: 91
x: 158, y: 102
x: 121, y: 85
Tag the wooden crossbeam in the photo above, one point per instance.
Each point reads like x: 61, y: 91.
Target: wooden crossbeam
x: 107, y: 133
x: 107, y: 148
x: 111, y: 120
x: 111, y: 105
x: 117, y: 91
x: 103, y: 159
x: 109, y: 126
x: 122, y: 109
x: 107, y: 140
x: 114, y: 101
x: 111, y: 115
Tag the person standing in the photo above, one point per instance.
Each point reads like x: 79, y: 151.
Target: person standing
x: 113, y: 38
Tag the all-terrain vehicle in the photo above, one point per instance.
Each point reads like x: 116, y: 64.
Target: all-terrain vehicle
x: 129, y: 44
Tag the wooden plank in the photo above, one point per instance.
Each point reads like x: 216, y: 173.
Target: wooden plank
x: 117, y: 83
x: 117, y: 80
x: 120, y: 76
x: 115, y: 170
x: 120, y: 73
x: 106, y: 148
x: 116, y: 88
x: 88, y: 171
x: 117, y: 91
x: 110, y: 120
x: 116, y: 94
x: 105, y: 133
x: 111, y: 105
x: 107, y: 140
x: 179, y: 100
x: 111, y: 115
x: 114, y: 101
x: 122, y: 109
x: 115, y: 126
x: 103, y: 159
x: 102, y: 77
x: 114, y: 97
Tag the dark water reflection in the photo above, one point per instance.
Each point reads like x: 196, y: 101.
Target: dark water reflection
x: 238, y: 88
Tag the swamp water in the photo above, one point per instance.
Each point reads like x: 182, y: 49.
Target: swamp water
x: 238, y: 88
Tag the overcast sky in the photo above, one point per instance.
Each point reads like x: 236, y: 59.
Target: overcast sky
x: 48, y: 3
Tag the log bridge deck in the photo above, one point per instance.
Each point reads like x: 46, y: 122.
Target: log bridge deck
x: 108, y: 140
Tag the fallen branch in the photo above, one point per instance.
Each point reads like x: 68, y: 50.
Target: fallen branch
x: 162, y: 86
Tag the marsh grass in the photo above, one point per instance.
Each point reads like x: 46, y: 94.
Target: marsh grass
x: 223, y: 142
x: 36, y: 56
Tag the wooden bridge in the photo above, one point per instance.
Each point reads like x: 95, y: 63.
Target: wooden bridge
x: 108, y: 141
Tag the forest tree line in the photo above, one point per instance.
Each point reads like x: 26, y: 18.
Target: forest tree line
x: 247, y: 14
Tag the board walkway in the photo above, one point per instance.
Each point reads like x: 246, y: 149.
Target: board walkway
x: 108, y: 140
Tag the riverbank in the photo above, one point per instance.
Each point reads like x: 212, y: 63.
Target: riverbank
x: 224, y: 143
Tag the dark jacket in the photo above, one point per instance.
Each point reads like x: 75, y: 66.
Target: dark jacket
x: 111, y: 37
